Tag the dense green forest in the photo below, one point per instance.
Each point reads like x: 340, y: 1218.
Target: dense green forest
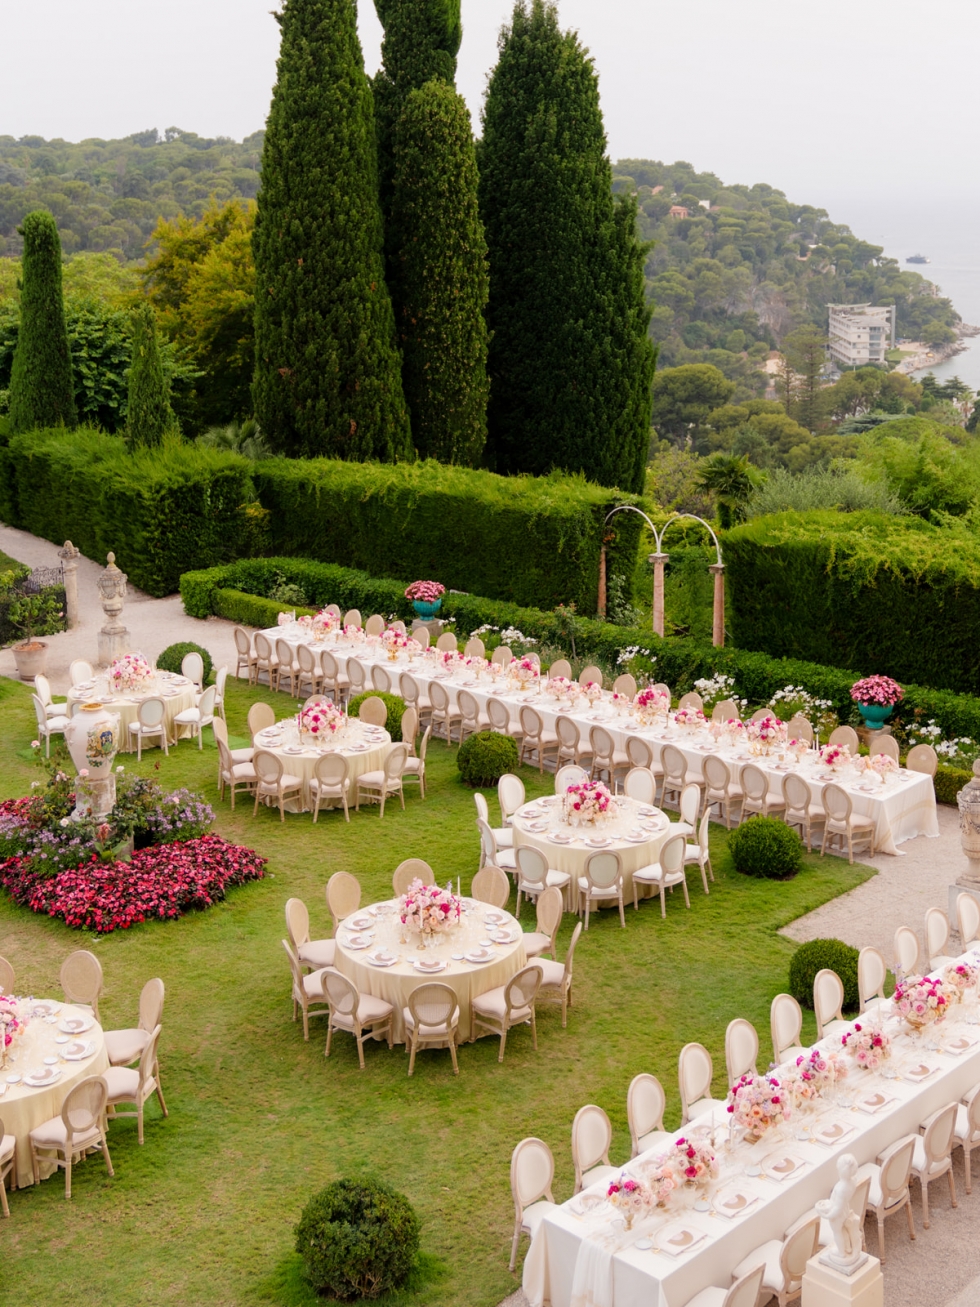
x: 747, y: 267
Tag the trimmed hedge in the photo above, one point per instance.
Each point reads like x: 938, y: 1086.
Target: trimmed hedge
x: 679, y: 661
x: 394, y: 705
x: 859, y: 590
x: 486, y: 756
x: 173, y: 656
x: 358, y: 1239
x: 949, y: 781
x: 767, y: 848
x: 161, y: 511
x: 820, y: 954
x: 527, y: 540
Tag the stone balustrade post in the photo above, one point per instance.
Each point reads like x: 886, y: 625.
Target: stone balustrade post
x: 69, y: 556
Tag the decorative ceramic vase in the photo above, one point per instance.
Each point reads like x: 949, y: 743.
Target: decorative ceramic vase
x: 426, y: 611
x: 93, y: 737
x: 875, y: 714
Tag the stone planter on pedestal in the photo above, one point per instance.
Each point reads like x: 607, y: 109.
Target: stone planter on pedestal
x: 93, y: 738
x: 31, y: 659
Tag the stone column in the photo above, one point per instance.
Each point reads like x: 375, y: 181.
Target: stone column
x: 69, y: 562
x: 824, y: 1286
x: 601, y: 602
x: 114, y: 639
x: 658, y: 561
x: 717, y: 570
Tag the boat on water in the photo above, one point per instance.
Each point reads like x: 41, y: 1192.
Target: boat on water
x: 916, y: 258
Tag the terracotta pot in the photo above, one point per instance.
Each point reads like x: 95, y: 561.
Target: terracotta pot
x: 93, y: 737
x: 31, y: 659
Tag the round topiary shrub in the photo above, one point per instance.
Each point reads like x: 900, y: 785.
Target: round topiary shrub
x: 484, y: 757
x: 395, y: 706
x: 172, y: 657
x: 358, y: 1238
x: 814, y: 956
x: 765, y: 846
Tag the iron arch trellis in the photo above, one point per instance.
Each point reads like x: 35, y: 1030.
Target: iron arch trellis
x: 659, y: 559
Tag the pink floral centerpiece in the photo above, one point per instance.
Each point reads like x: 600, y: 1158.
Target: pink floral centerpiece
x: 961, y: 976
x: 922, y: 1000
x: 525, y: 671
x: 630, y: 1197
x: 649, y: 704
x: 592, y: 691
x: 285, y: 619
x: 324, y: 622
x: 354, y: 634
x: 321, y: 719
x: 757, y: 1103
x: 799, y: 747
x: 12, y: 1023
x: 812, y: 1075
x: 689, y: 719
x: 868, y: 1045
x: 560, y: 687
x: 883, y: 765
x: 835, y: 756
x: 394, y: 642
x: 427, y: 910
x: 130, y: 672
x: 766, y: 733
x: 693, y: 1163
x: 588, y: 803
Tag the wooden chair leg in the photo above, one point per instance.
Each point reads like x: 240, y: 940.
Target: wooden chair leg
x: 908, y: 1213
x: 952, y: 1187
x: 452, y: 1054
x: 503, y: 1044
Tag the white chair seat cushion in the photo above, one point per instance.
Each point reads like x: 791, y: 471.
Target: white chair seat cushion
x: 506, y: 859
x: 137, y: 728
x: 7, y: 1145
x: 123, y: 1083
x: 318, y: 953
x: 552, y: 973
x: 242, y: 755
x: 413, y: 766
x: 55, y: 709
x: 57, y: 722
x: 920, y: 1163
x: 532, y: 1216
x: 442, y: 1031
x: 124, y: 1046
x: 680, y: 828
x: 313, y: 983
x: 874, y: 1191
x: 710, y: 1297
x: 599, y: 1173
x: 855, y: 822
x: 766, y: 1254
x: 374, y: 779
x: 655, y: 1139
x: 705, y: 1105
x: 962, y: 1128
x: 504, y: 836
x: 597, y: 892
x: 242, y: 771
x: 553, y: 880
x: 835, y: 1027
x: 189, y: 717
x: 329, y: 787
x: 369, y: 1009
x: 287, y: 781
x: 535, y: 942
x: 492, y: 1004
x: 792, y: 1053
x: 52, y: 1134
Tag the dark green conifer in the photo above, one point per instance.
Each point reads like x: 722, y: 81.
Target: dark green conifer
x: 570, y: 361
x: 328, y: 372
x: 42, y: 393
x: 440, y: 278
x: 148, y: 413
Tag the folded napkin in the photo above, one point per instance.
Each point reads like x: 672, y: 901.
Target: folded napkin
x: 592, y: 1283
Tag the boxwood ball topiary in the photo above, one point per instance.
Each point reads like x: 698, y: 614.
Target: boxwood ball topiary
x: 395, y: 706
x: 484, y: 757
x: 766, y: 847
x: 172, y: 657
x: 358, y: 1238
x: 814, y: 956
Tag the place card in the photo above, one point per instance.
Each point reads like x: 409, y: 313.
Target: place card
x: 961, y: 1044
x: 781, y: 1166
x: 873, y: 1103
x: 917, y: 1074
x: 679, y: 1238
x: 734, y: 1200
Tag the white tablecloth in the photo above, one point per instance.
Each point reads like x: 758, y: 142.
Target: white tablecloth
x: 902, y: 809
x: 623, y: 1275
x: 22, y: 1108
x: 176, y: 692
x: 364, y: 747
x: 468, y: 979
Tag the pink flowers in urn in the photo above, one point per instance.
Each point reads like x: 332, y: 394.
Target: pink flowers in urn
x: 689, y: 718
x: 880, y: 690
x: 883, y: 765
x: 868, y: 1045
x: 130, y: 672
x: 920, y: 1000
x: 628, y: 1196
x: 758, y: 1102
x: 525, y: 671
x: 649, y: 704
x: 393, y: 641
x: 426, y: 592
x: 960, y: 976
x: 835, y: 756
x: 321, y: 719
x: 428, y: 910
x: 587, y: 803
x: 11, y: 1025
x: 692, y: 1163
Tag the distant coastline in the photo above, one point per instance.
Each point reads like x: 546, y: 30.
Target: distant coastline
x: 925, y: 359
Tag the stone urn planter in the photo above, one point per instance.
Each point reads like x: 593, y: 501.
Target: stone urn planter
x: 31, y: 659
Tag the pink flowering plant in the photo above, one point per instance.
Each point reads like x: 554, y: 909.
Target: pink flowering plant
x: 757, y: 1103
x: 426, y: 592
x: 428, y: 910
x: 922, y: 1000
x: 835, y: 756
x: 130, y: 672
x: 649, y: 704
x: 587, y: 803
x: 879, y: 690
x: 869, y: 1046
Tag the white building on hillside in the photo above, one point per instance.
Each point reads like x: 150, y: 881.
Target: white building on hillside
x: 860, y: 334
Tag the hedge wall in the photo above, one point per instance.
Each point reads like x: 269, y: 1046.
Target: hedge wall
x: 859, y: 590
x: 161, y: 511
x: 528, y: 540
x: 679, y: 661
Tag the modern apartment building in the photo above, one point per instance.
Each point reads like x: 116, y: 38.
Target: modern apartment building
x: 860, y: 333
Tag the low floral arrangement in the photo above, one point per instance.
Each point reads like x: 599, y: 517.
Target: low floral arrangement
x: 879, y: 690
x: 922, y: 1000
x: 757, y: 1103
x: 592, y: 691
x: 961, y: 976
x: 393, y: 641
x: 322, y: 719
x: 428, y: 910
x: 689, y: 719
x: 587, y: 803
x: 620, y: 700
x: 766, y: 733
x: 285, y: 619
x: 425, y: 592
x: 692, y: 1163
x: 649, y: 704
x: 354, y: 633
x: 799, y: 747
x: 660, y: 1183
x: 325, y: 621
x: 12, y: 1023
x: 631, y: 1197
x: 130, y: 672
x: 451, y: 659
x: 883, y: 765
x: 869, y: 1046
x: 814, y: 1074
x: 835, y: 756
x: 525, y: 671
x: 561, y: 687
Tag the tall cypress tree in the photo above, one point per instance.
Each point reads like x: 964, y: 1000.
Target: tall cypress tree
x: 328, y: 372
x: 570, y: 361
x: 41, y: 390
x: 148, y: 413
x: 441, y: 281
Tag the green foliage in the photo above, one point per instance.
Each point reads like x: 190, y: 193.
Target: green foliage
x: 805, y: 352
x: 328, y: 375
x: 949, y: 781
x: 840, y: 488
x: 684, y: 396
x: 42, y: 393
x: 438, y: 276
x: 358, y: 1238
x: 484, y: 757
x: 149, y: 416
x: 732, y: 480
x: 818, y: 955
x: 570, y: 360
x: 174, y: 654
x: 394, y: 704
x: 162, y: 511
x: 766, y: 847
x: 529, y: 540
x: 38, y: 614
x: 858, y: 590
x: 934, y: 470
x: 243, y: 438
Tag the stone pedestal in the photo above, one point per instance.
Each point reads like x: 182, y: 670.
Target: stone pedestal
x: 69, y: 556
x: 658, y: 561
x: 865, y: 734
x: 95, y: 797
x: 717, y: 570
x: 825, y: 1287
x: 434, y: 627
x: 114, y: 639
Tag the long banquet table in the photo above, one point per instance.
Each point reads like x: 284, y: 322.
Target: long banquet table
x: 902, y: 808
x: 580, y: 1255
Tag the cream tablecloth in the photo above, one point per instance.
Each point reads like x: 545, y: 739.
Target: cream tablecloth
x: 176, y: 692
x: 22, y: 1108
x: 364, y: 747
x: 395, y: 983
x: 577, y: 1248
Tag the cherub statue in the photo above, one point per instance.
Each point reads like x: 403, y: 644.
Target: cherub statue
x: 845, y: 1224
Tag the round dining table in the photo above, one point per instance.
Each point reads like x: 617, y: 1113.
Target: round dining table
x: 60, y: 1046
x: 365, y: 748
x: 383, y: 959
x: 637, y: 833
x: 177, y: 693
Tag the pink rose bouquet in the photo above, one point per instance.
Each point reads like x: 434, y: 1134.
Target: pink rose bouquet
x: 767, y: 732
x: 689, y: 718
x: 629, y: 1197
x: 883, y: 765
x: 12, y: 1025
x: 587, y: 803
x: 758, y: 1103
x: 961, y: 976
x: 429, y: 910
x: 868, y: 1045
x: 692, y: 1163
x: 130, y: 672
x: 835, y: 756
x: 649, y: 704
x: 921, y: 1000
x: 321, y: 719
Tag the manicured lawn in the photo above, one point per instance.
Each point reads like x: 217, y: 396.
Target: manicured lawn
x: 204, y: 1211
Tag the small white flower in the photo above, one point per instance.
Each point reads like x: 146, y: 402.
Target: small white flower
x: 64, y: 821
x: 119, y: 769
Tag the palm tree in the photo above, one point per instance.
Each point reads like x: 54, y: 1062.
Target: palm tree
x: 731, y: 478
x: 243, y: 438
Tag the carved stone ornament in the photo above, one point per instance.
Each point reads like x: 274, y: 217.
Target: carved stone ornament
x: 968, y: 802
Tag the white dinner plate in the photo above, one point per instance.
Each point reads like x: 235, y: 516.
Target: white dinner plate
x: 46, y: 1009
x: 429, y: 968
x: 293, y: 749
x: 379, y: 961
x: 600, y: 843
x: 679, y: 1238
x: 360, y: 922
x: 479, y: 957
x: 638, y: 839
x: 358, y: 941
x: 41, y: 1077
x: 559, y: 837
x: 734, y: 1200
x: 75, y: 1025
x: 78, y: 1051
x: 645, y: 810
x: 781, y: 1166
x: 537, y: 825
x: 493, y: 915
x: 358, y: 748
x: 50, y: 1061
x: 13, y: 1080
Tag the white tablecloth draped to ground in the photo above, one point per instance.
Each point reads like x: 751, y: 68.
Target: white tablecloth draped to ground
x: 177, y: 694
x: 364, y: 747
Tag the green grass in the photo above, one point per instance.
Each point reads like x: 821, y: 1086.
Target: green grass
x: 205, y: 1210
x: 8, y: 564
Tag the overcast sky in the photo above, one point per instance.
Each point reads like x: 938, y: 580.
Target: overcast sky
x: 829, y: 102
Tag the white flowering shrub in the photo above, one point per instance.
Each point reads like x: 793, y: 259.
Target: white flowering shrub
x: 713, y: 689
x: 793, y: 699
x: 958, y: 752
